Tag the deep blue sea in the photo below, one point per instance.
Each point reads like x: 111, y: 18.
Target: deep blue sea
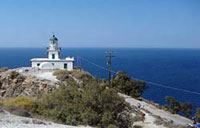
x: 178, y: 68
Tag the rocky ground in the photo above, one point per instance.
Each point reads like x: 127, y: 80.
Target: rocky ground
x: 26, y: 83
x: 31, y: 82
x: 8, y: 120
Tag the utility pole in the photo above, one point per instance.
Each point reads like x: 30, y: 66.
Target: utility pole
x: 80, y: 63
x: 109, y: 65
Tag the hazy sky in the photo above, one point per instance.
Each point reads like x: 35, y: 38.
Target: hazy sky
x: 100, y: 23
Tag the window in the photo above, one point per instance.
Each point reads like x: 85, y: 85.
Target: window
x: 53, y: 56
x: 38, y: 64
x: 65, y: 66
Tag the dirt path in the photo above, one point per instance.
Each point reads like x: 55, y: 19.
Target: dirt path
x: 47, y: 76
x: 179, y: 120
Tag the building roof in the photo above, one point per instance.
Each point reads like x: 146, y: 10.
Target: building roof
x: 68, y: 59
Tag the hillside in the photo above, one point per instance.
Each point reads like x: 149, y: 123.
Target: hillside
x: 31, y: 83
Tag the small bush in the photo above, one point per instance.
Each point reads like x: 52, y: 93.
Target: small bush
x: 197, y: 114
x: 21, y: 102
x: 137, y: 118
x: 64, y: 77
x: 176, y: 107
x: 112, y: 126
x: 20, y: 78
x: 3, y: 69
x: 86, y: 77
x: 170, y: 124
x: 13, y: 74
x: 60, y: 72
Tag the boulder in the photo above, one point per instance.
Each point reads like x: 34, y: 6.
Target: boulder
x: 18, y: 111
x: 38, y: 122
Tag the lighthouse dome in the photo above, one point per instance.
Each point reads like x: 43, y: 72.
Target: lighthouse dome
x: 53, y: 38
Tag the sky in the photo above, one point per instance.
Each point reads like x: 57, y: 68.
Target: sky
x: 101, y: 23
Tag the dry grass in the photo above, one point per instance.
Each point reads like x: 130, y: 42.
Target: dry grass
x: 65, y: 72
x: 21, y: 102
x: 61, y: 72
x: 81, y: 75
x: 3, y: 69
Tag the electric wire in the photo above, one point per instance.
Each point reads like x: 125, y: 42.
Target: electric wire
x: 148, y: 82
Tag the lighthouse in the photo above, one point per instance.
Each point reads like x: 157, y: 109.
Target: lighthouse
x: 53, y: 51
x: 53, y: 60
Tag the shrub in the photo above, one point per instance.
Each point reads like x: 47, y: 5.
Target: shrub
x: 21, y: 102
x: 137, y: 118
x: 13, y: 74
x: 175, y: 107
x: 169, y: 124
x: 86, y: 77
x: 20, y: 78
x: 112, y: 126
x: 124, y: 84
x: 81, y: 75
x: 3, y: 69
x: 186, y: 109
x: 64, y: 77
x: 87, y: 105
x: 197, y: 114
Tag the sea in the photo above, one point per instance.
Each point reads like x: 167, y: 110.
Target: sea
x: 176, y: 68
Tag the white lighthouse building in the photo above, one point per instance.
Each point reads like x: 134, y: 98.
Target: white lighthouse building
x: 53, y: 60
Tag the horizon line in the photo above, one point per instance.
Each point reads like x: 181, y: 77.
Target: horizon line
x: 115, y: 47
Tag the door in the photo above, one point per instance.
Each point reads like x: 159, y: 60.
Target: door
x: 65, y: 66
x: 53, y: 56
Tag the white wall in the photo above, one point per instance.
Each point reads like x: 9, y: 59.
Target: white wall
x: 53, y: 52
x: 53, y: 65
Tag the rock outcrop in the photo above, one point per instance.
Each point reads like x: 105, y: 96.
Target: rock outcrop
x: 14, y: 84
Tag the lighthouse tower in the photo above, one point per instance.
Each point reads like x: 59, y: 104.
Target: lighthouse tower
x: 53, y: 60
x: 53, y: 51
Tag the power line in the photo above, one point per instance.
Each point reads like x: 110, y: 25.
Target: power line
x: 101, y: 67
x: 148, y: 82
x: 169, y: 87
